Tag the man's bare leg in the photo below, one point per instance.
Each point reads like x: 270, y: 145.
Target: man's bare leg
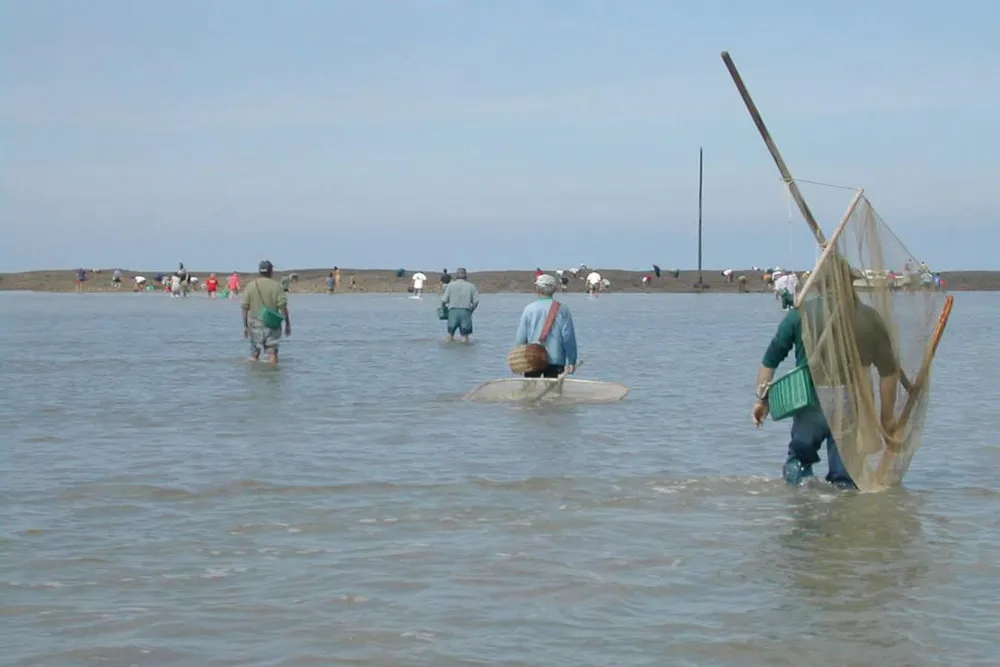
x: 273, y: 355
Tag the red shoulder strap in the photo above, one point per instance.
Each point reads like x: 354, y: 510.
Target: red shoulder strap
x: 549, y: 321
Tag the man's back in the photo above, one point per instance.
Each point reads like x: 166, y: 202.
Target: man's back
x: 561, y: 343
x: 264, y: 292
x: 871, y: 334
x: 460, y: 293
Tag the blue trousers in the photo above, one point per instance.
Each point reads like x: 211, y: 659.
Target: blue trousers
x: 809, y: 432
x: 459, y: 320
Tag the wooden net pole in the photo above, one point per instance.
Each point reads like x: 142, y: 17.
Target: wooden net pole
x: 782, y: 167
x: 893, y: 444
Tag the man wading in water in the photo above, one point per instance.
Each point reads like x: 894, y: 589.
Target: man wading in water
x: 809, y: 426
x: 561, y: 341
x: 461, y: 298
x: 265, y: 306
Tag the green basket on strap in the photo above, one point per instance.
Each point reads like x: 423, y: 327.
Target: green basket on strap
x: 792, y: 393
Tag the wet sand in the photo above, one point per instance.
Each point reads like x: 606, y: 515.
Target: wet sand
x: 379, y: 280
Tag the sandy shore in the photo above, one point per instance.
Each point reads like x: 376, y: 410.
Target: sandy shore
x: 378, y: 280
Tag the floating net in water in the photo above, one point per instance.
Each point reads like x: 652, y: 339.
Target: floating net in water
x: 870, y: 308
x: 530, y: 390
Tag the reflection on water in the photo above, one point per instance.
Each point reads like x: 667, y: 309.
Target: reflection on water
x: 854, y: 552
x: 168, y: 503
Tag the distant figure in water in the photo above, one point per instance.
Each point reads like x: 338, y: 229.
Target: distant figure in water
x: 265, y: 305
x: 81, y: 278
x: 418, y: 283
x: 212, y: 286
x: 445, y: 277
x: 462, y: 298
x: 561, y: 341
x: 593, y: 283
x: 234, y: 285
x: 331, y: 283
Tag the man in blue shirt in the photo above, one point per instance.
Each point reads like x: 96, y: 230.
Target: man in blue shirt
x: 561, y: 342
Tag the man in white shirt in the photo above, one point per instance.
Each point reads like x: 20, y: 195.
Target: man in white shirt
x: 785, y: 286
x: 593, y: 282
x: 418, y: 283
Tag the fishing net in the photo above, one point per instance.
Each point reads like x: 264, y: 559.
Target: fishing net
x: 870, y: 309
x: 530, y: 390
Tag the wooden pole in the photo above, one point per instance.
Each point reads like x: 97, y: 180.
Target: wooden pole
x: 831, y: 247
x: 785, y: 174
x: 700, y: 175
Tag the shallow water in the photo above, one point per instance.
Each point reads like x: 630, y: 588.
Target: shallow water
x: 167, y: 503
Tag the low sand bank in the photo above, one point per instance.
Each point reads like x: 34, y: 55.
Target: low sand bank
x: 378, y: 280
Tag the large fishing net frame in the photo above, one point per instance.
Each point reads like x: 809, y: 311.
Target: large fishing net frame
x: 864, y: 264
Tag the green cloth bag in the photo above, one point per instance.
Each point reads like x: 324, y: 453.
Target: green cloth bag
x: 442, y: 312
x: 269, y: 317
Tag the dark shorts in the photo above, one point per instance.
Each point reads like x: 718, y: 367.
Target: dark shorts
x: 460, y: 320
x: 551, y: 371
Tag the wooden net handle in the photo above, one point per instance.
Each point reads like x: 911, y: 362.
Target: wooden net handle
x: 893, y: 444
x: 917, y: 385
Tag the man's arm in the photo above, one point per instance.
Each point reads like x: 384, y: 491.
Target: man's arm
x: 283, y: 307
x: 568, y: 337
x: 245, y: 307
x: 521, y: 338
x: 475, y: 297
x: 446, y: 295
x: 890, y: 375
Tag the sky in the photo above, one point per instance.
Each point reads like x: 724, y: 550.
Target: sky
x: 488, y: 134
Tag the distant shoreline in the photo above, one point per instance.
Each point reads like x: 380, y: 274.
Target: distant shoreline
x: 488, y: 282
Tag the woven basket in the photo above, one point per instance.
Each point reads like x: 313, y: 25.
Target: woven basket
x: 792, y: 393
x: 529, y: 358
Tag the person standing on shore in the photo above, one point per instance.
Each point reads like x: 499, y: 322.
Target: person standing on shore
x: 461, y: 298
x: 560, y: 344
x: 265, y: 306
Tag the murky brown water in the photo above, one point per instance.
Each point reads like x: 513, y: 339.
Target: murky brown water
x: 167, y: 504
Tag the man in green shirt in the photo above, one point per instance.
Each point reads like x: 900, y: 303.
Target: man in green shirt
x: 809, y: 426
x: 265, y: 298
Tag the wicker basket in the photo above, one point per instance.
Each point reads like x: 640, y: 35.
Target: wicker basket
x: 792, y: 393
x: 530, y: 358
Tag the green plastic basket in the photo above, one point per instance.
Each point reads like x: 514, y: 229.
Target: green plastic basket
x: 791, y: 393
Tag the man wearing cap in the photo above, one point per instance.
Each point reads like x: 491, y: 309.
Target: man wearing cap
x: 561, y: 342
x: 262, y: 296
x: 461, y: 298
x: 809, y: 426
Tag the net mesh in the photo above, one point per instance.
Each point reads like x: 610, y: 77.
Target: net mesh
x: 545, y: 389
x: 871, y: 308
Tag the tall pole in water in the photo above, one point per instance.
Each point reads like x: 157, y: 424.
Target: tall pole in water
x: 701, y: 162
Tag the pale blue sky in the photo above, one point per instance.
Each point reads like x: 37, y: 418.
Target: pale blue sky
x: 502, y: 134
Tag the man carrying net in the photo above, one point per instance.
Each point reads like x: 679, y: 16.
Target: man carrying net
x: 840, y: 339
